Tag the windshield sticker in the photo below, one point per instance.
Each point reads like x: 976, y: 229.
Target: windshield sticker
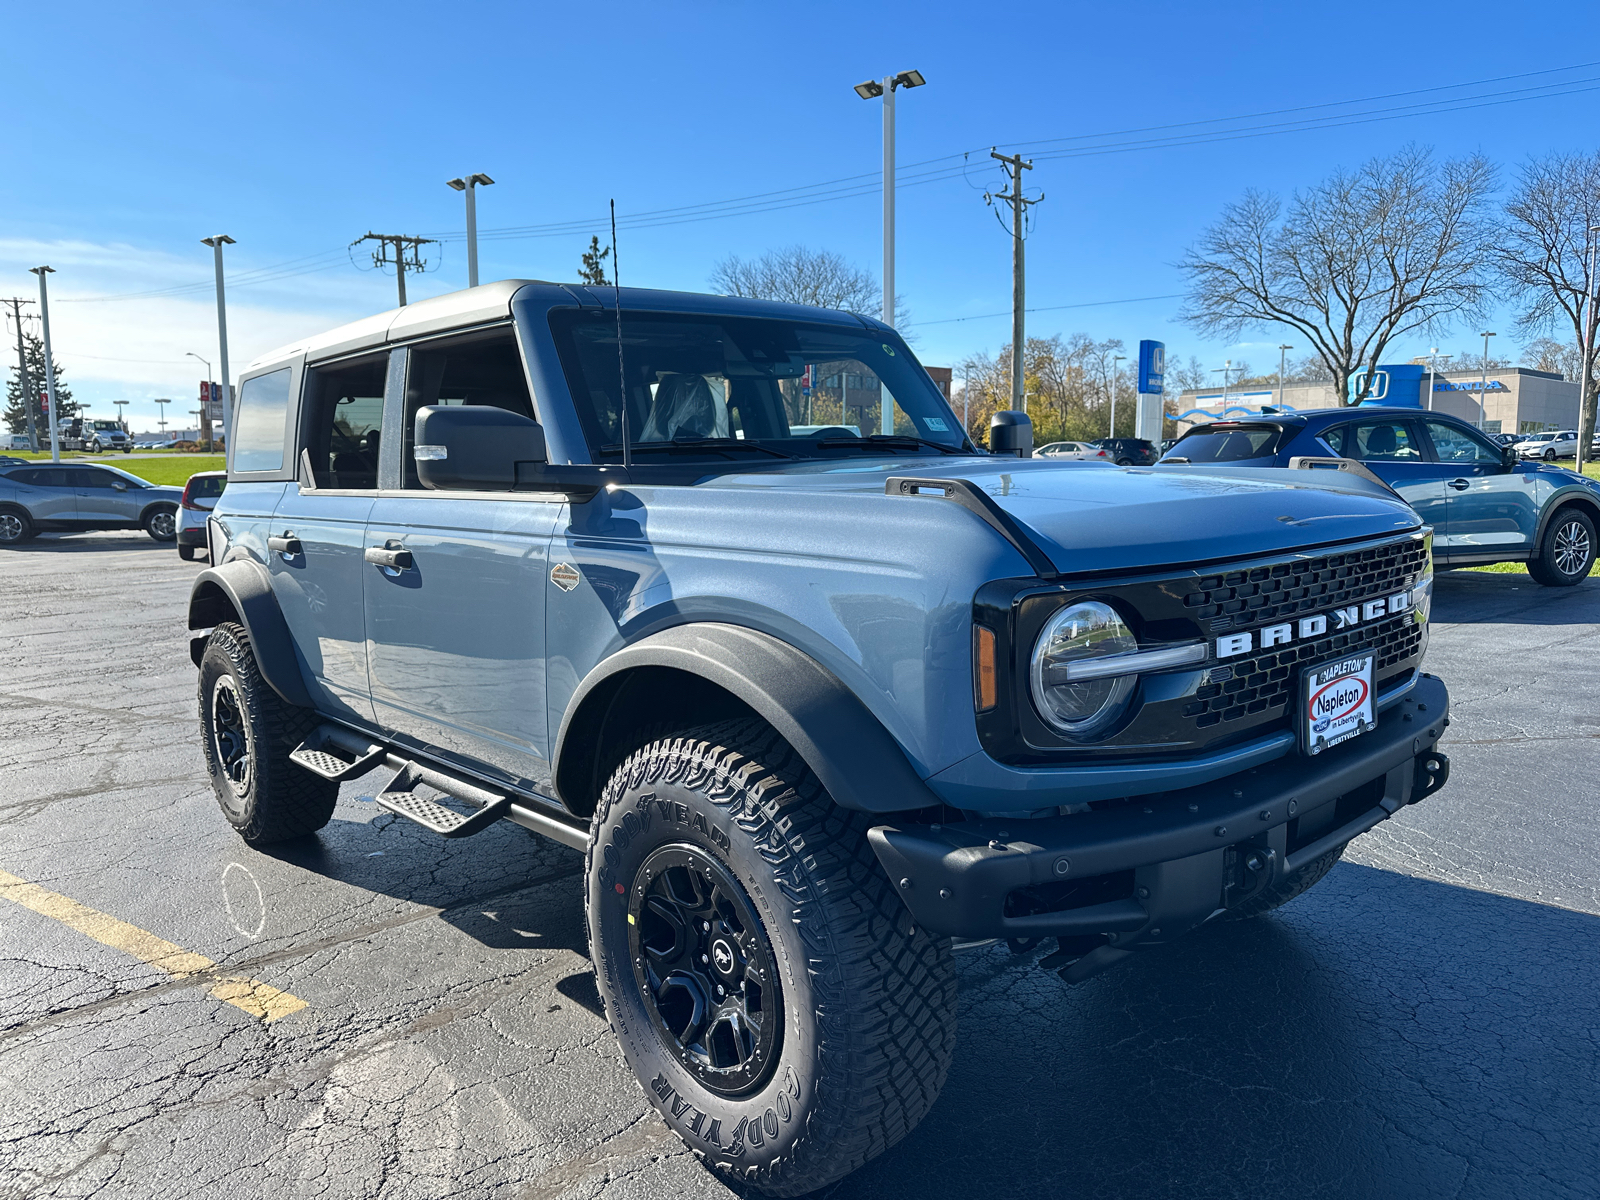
x: 936, y: 424
x: 888, y: 349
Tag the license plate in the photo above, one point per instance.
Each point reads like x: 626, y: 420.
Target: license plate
x: 1335, y: 702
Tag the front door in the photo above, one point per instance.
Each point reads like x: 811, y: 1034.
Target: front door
x: 318, y: 533
x: 1491, y: 508
x: 100, y: 500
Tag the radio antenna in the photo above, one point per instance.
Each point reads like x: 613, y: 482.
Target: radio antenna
x: 622, y: 372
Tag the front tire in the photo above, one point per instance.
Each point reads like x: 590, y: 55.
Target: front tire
x: 248, y: 731
x: 161, y: 523
x: 1566, y: 552
x: 768, y: 988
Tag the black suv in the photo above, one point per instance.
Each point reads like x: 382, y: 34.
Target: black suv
x: 1129, y: 452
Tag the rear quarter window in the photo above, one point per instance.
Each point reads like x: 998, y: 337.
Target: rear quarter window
x: 258, y: 423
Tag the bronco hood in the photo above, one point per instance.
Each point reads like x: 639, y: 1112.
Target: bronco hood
x: 1088, y: 517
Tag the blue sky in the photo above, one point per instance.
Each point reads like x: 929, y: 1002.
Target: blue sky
x: 296, y: 128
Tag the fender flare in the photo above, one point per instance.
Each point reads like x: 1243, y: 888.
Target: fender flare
x: 1570, y: 493
x: 243, y: 586
x: 846, y: 747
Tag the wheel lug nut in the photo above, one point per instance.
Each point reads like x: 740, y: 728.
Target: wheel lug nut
x: 703, y: 958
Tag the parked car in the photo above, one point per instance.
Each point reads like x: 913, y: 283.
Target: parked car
x: 1550, y: 446
x: 1506, y: 439
x: 811, y: 704
x: 199, y: 498
x: 1485, y: 505
x: 39, y: 497
x: 18, y: 441
x: 1072, y: 450
x: 11, y: 460
x: 1128, y: 452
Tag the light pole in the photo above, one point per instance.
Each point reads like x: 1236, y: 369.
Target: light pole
x: 121, y: 416
x: 204, y: 423
x: 49, y: 361
x: 871, y: 90
x: 469, y: 185
x: 1111, y: 386
x: 162, y: 419
x: 1226, y: 368
x: 217, y: 242
x: 1483, y: 387
x: 1282, y: 350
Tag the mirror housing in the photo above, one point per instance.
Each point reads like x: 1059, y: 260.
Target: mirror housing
x: 1010, y: 432
x: 1509, y: 455
x: 474, y: 448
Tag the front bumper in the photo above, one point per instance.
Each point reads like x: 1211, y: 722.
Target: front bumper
x: 1148, y: 870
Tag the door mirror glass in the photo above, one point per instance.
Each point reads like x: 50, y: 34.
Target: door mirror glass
x: 474, y: 448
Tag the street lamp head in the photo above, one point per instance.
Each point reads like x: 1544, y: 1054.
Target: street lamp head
x: 870, y: 90
x: 480, y: 179
x: 219, y: 239
x: 1284, y: 346
x: 460, y: 185
x: 909, y: 79
x: 41, y: 271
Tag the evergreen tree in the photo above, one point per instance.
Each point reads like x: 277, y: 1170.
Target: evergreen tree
x: 16, y: 416
x: 594, y: 263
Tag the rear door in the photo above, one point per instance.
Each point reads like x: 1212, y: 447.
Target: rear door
x: 47, y: 493
x: 1394, y: 451
x: 457, y: 634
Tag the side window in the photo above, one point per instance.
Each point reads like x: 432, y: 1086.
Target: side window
x: 258, y: 422
x: 88, y: 477
x: 344, y: 427
x: 47, y: 477
x: 1375, y: 441
x: 481, y: 369
x: 1455, y: 445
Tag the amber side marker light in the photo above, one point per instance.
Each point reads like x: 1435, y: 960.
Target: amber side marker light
x: 986, y: 690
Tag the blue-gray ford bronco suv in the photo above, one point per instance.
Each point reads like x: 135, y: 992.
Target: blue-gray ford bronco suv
x: 719, y: 592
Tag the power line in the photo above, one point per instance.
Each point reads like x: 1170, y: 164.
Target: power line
x: 1053, y: 308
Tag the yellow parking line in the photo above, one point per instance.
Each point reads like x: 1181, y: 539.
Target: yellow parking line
x: 250, y: 995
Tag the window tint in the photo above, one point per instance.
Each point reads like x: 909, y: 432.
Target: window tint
x: 1228, y: 445
x: 258, y: 422
x: 1453, y: 444
x: 346, y: 419
x: 481, y: 370
x: 1375, y: 441
x: 88, y: 477
x: 52, y: 477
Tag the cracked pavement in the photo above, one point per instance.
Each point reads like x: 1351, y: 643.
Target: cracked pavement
x: 1424, y: 1023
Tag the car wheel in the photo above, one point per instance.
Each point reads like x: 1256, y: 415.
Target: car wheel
x: 1124, y: 462
x: 248, y: 731
x: 1567, y: 550
x: 1296, y: 883
x: 15, y: 526
x: 768, y: 988
x: 1550, y: 456
x: 161, y: 523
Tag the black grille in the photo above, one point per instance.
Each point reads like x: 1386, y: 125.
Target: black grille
x: 1255, y: 596
x: 1265, y: 682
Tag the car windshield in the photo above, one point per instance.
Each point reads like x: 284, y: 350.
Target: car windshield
x: 1227, y: 445
x: 1539, y: 437
x: 715, y: 388
x: 107, y: 427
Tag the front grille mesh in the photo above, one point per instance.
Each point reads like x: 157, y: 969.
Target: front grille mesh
x: 1255, y: 596
x: 1265, y: 683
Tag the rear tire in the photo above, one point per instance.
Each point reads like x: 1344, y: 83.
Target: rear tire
x: 248, y: 731
x: 1566, y: 552
x: 1285, y: 890
x: 161, y: 523
x: 835, y: 1033
x: 16, y: 527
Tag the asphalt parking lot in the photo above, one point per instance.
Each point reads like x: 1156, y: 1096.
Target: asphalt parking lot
x: 381, y: 1013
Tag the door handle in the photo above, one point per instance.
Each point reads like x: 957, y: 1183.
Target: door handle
x: 1460, y: 485
x: 287, y: 545
x: 383, y: 556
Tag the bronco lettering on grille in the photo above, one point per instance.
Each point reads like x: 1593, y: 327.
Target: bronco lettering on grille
x: 1235, y: 644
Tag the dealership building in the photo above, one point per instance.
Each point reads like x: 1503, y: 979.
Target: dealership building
x: 1509, y: 400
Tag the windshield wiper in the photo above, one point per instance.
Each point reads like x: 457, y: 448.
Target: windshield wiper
x: 896, y: 441
x: 681, y: 444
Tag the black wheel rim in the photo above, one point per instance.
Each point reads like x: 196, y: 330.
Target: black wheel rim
x: 230, y: 735
x: 1572, y: 548
x: 704, y: 968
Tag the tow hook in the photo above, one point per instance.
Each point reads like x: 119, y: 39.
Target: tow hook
x: 1432, y: 771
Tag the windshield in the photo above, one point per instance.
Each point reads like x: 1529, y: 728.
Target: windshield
x: 710, y: 388
x: 107, y: 427
x: 1227, y: 445
x: 1539, y: 437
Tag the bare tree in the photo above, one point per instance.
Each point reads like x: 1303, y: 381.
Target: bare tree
x: 1547, y: 354
x: 796, y: 275
x: 1542, y: 255
x: 1397, y: 246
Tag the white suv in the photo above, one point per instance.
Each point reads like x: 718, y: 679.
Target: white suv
x: 1550, y: 446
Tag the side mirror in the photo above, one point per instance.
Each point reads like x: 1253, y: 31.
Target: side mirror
x: 1509, y: 455
x: 121, y: 487
x: 474, y: 447
x: 1010, y: 432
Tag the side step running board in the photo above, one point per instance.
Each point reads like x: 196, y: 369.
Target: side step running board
x: 400, y: 797
x: 336, y: 753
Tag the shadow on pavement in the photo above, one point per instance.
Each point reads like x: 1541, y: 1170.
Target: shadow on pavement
x: 89, y: 543
x: 1467, y: 597
x: 1383, y: 1036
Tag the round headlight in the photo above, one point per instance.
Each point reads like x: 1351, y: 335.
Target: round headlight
x: 1086, y: 630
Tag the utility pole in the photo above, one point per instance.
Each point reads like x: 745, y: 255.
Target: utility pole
x: 1019, y: 209
x: 1483, y: 387
x: 1282, y: 350
x: 29, y: 400
x: 400, y: 243
x: 49, y: 362
x: 1112, y: 387
x: 469, y: 185
x: 217, y: 242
